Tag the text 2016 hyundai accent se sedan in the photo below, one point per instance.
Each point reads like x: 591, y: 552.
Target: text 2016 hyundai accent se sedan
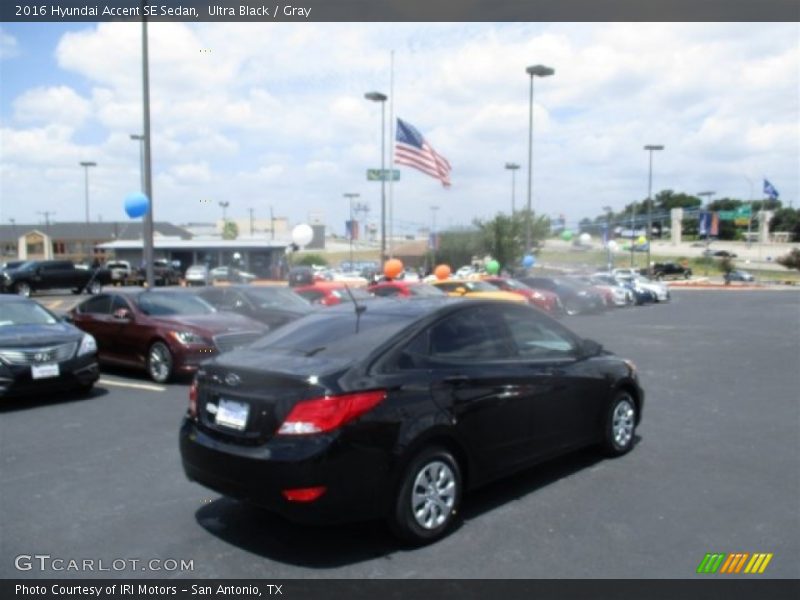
x: 394, y: 409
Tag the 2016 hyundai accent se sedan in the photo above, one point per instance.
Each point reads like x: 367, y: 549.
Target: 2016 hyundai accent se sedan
x: 394, y: 409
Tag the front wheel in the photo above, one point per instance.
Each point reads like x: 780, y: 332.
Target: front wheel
x: 94, y: 288
x: 429, y: 497
x: 620, y: 425
x: 159, y: 362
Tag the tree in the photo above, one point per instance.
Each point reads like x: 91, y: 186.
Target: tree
x: 230, y: 231
x: 786, y: 219
x: 503, y: 238
x: 667, y: 200
x: 458, y: 247
x: 791, y: 260
x: 309, y: 260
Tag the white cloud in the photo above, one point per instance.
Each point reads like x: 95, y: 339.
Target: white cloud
x: 275, y: 114
x: 8, y: 45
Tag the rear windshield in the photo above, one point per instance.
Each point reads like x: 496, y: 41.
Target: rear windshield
x: 160, y: 304
x: 334, y: 334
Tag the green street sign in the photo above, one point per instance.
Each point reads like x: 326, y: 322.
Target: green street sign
x: 743, y: 211
x: 385, y: 175
x: 727, y: 215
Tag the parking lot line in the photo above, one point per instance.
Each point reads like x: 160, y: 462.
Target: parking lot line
x: 135, y: 386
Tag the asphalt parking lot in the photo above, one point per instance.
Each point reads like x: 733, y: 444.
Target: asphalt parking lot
x: 716, y: 469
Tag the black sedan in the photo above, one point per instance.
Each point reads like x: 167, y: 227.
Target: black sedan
x: 41, y: 353
x: 394, y: 409
x: 273, y: 305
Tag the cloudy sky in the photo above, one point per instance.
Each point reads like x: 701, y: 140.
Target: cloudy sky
x: 273, y: 114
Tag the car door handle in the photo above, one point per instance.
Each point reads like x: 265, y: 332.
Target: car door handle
x: 456, y: 379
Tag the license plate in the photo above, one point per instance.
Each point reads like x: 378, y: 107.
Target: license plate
x: 44, y: 371
x: 232, y: 414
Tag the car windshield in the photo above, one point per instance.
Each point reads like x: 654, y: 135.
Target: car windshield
x: 334, y: 334
x: 424, y: 289
x: 24, y: 313
x: 167, y: 303
x: 276, y: 297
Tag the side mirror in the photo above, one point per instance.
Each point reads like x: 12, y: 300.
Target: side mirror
x: 122, y: 314
x: 591, y: 348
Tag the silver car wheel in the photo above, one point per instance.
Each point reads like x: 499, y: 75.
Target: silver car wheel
x: 433, y: 495
x: 159, y: 362
x: 23, y: 289
x: 622, y: 423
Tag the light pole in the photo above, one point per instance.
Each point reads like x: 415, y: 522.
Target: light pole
x: 14, y: 234
x: 378, y: 97
x: 224, y: 205
x: 434, y: 208
x: 750, y: 216
x: 513, y: 167
x: 140, y: 138
x: 708, y: 195
x: 86, y: 164
x: 650, y: 148
x: 350, y: 196
x: 608, y: 211
x: 148, y: 162
x: 534, y: 71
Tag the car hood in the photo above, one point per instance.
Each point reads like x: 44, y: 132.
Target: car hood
x: 214, y: 324
x: 33, y: 336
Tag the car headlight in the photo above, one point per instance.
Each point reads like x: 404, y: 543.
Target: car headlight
x: 631, y: 365
x: 88, y: 345
x: 537, y: 296
x: 189, y: 337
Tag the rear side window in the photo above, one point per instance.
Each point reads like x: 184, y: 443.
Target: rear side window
x: 470, y: 335
x: 386, y: 291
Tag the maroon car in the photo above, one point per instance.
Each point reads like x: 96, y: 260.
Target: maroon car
x: 166, y: 332
x: 540, y: 298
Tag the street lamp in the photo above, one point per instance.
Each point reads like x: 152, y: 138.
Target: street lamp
x: 86, y: 165
x: 708, y: 195
x: 608, y: 211
x: 650, y: 148
x: 140, y: 138
x: 434, y: 240
x: 350, y: 196
x: 224, y: 204
x: 513, y: 167
x: 534, y: 71
x: 378, y: 97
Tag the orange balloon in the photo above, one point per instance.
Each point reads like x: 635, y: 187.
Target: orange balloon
x: 442, y: 272
x: 392, y: 268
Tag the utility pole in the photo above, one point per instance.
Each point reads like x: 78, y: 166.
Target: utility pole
x: 272, y: 222
x: 251, y: 221
x: 434, y: 240
x: 350, y: 196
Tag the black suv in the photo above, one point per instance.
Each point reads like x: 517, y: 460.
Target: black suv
x: 37, y: 275
x: 669, y: 270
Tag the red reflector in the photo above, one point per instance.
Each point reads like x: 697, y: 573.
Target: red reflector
x: 326, y: 414
x: 304, y: 494
x: 193, y: 400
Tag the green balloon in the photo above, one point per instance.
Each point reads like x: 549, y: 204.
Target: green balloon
x: 492, y: 267
x: 566, y: 235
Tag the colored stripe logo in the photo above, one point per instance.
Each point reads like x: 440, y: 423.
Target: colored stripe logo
x: 734, y: 563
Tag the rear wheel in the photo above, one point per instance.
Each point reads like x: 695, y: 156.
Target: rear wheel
x: 23, y: 289
x: 429, y: 497
x: 159, y: 362
x: 94, y: 288
x: 620, y: 426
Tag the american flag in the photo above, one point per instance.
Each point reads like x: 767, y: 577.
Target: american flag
x: 414, y: 151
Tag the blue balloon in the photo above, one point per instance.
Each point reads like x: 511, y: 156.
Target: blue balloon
x: 528, y: 261
x: 136, y: 205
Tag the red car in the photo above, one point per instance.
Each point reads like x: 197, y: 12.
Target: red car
x: 404, y: 289
x: 542, y: 299
x: 330, y: 293
x: 165, y: 332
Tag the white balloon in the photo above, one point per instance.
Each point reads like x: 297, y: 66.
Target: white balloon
x: 302, y: 234
x: 612, y: 246
x: 585, y: 238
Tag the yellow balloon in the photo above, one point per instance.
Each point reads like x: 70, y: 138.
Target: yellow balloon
x: 641, y: 240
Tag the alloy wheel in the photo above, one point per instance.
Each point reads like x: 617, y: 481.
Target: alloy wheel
x: 433, y: 495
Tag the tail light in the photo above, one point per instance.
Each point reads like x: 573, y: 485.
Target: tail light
x: 319, y: 415
x: 304, y: 494
x: 193, y: 400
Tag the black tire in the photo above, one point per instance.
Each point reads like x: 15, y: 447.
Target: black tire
x: 85, y: 388
x: 160, y: 370
x: 439, y: 504
x: 94, y: 288
x: 620, y: 425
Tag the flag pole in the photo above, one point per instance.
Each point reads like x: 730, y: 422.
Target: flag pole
x: 391, y: 156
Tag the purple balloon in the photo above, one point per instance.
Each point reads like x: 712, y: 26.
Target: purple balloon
x: 136, y: 205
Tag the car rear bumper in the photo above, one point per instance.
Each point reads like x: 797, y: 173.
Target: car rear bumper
x: 356, y: 478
